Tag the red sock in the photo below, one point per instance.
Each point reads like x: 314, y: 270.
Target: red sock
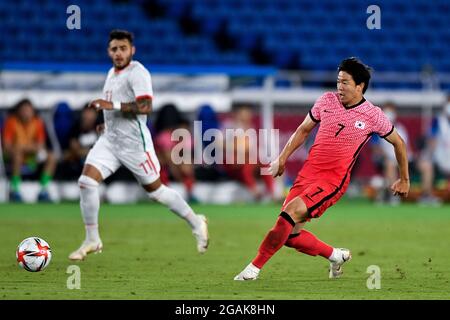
x: 308, y: 243
x: 164, y: 176
x: 274, y: 240
x: 188, y: 183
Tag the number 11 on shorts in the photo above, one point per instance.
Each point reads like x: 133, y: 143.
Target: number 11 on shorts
x: 146, y: 165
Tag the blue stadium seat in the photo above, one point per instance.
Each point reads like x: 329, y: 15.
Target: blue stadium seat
x: 413, y: 33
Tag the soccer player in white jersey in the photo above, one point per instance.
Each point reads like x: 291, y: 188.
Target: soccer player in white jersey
x: 127, y: 141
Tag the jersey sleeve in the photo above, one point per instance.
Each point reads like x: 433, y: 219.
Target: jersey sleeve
x: 141, y: 83
x: 314, y: 113
x: 383, y: 126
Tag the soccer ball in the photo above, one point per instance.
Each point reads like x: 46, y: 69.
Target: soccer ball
x: 33, y: 254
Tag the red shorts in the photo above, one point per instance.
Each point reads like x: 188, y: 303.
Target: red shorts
x: 317, y: 195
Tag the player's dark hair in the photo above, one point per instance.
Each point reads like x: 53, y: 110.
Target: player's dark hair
x: 121, y: 35
x: 358, y: 70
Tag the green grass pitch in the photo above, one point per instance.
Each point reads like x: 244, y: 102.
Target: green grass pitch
x: 149, y: 253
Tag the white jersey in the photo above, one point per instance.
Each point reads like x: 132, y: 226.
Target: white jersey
x: 126, y: 131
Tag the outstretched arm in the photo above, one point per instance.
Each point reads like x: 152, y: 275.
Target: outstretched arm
x: 401, y: 186
x: 140, y: 106
x: 295, y: 141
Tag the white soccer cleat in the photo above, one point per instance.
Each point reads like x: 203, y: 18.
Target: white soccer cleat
x: 250, y: 272
x: 201, y: 234
x: 336, y: 267
x: 85, y: 249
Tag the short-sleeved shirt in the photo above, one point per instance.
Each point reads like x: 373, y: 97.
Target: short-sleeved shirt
x: 341, y: 135
x: 126, y: 131
x: 20, y: 134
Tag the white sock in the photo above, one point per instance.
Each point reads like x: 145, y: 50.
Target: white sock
x: 92, y: 233
x: 89, y: 204
x: 336, y: 255
x: 173, y: 200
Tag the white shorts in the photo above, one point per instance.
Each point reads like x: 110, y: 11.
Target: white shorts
x: 143, y: 164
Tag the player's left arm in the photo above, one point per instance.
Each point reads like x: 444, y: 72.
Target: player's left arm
x: 142, y: 105
x: 141, y: 84
x: 401, y: 186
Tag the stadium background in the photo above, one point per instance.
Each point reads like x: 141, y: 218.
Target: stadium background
x: 277, y: 56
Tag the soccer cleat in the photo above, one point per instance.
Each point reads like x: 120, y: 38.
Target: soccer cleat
x: 85, y: 249
x: 201, y: 235
x: 250, y: 272
x: 336, y: 267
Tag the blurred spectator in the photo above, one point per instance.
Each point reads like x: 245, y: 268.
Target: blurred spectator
x: 81, y: 137
x: 63, y: 120
x: 245, y: 173
x: 209, y: 120
x: 438, y: 143
x: 385, y: 157
x: 24, y: 139
x: 385, y: 160
x: 167, y: 120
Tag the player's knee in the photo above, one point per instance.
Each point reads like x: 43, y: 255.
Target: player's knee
x: 158, y: 194
x: 297, y: 210
x: 86, y: 182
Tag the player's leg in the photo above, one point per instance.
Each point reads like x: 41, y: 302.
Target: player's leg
x: 47, y: 174
x: 145, y: 167
x: 294, y: 212
x: 175, y: 202
x: 100, y: 163
x: 89, y: 182
x: 306, y: 242
x: 17, y: 158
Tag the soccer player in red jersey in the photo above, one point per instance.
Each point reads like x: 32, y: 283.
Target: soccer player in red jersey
x: 347, y: 121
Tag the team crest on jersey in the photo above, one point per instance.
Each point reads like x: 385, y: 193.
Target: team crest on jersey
x: 360, y: 125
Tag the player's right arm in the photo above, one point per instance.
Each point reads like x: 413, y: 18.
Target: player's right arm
x: 401, y: 186
x: 295, y: 141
